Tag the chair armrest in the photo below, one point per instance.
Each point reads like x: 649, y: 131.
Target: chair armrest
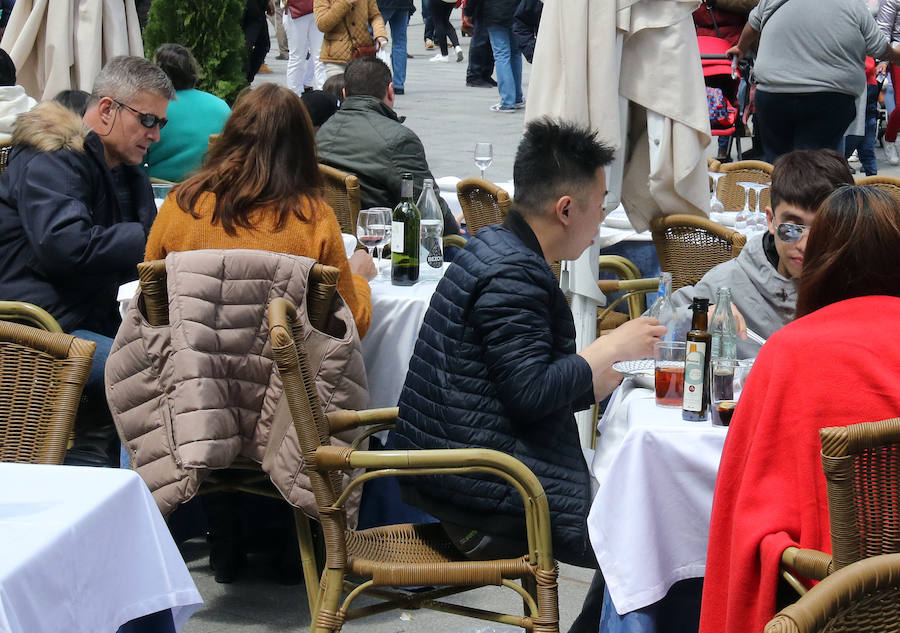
x: 454, y: 240
x: 809, y: 563
x: 344, y: 420
x: 30, y: 313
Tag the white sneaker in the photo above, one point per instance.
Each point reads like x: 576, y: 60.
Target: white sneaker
x: 440, y: 58
x: 459, y: 55
x: 854, y: 157
x: 890, y: 151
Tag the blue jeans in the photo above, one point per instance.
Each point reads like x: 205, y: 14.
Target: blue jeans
x: 865, y: 145
x: 426, y: 17
x: 398, y: 19
x: 96, y: 441
x: 508, y: 63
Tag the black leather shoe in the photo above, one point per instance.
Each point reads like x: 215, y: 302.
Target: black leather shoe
x: 399, y: 91
x: 478, y: 83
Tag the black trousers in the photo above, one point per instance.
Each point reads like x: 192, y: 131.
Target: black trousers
x: 481, y: 55
x: 810, y: 120
x: 256, y: 36
x: 440, y: 15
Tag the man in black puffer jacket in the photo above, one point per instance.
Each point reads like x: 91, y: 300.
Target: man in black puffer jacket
x: 496, y: 367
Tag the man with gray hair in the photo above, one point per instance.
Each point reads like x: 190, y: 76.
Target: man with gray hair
x: 75, y: 210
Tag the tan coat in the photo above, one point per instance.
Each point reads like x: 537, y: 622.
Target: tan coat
x: 346, y: 26
x: 199, y: 393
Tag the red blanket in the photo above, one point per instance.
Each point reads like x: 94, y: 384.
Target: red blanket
x: 837, y: 366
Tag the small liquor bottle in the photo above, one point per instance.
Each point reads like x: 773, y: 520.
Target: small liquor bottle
x: 696, y: 364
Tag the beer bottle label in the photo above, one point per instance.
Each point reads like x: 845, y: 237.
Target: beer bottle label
x: 694, y: 362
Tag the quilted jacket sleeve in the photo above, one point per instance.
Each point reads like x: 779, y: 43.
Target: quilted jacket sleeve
x: 329, y: 13
x: 512, y: 318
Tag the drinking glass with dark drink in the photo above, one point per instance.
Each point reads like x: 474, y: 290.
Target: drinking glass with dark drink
x: 669, y: 373
x: 728, y: 377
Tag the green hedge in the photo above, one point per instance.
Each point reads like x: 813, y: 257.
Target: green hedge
x: 212, y: 30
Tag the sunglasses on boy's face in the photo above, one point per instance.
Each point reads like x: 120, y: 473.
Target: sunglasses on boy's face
x: 147, y: 120
x: 788, y: 232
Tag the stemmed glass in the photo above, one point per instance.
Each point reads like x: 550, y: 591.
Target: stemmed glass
x: 373, y: 229
x: 743, y: 216
x: 715, y: 205
x: 759, y: 218
x: 484, y: 156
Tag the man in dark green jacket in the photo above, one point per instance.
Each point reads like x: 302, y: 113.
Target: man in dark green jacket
x: 367, y: 138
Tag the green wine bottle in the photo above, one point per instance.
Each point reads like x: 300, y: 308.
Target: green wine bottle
x: 405, y: 236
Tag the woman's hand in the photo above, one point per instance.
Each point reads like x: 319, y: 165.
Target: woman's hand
x: 362, y: 264
x: 381, y: 43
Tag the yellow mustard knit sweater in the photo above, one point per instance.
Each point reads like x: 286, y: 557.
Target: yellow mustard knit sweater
x: 319, y: 237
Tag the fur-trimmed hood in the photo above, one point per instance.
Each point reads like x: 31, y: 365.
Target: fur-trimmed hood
x: 50, y: 126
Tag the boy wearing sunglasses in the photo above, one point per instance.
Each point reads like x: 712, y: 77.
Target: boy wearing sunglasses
x: 763, y: 277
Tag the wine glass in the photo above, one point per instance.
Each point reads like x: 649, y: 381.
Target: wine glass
x: 715, y: 205
x: 484, y: 156
x: 742, y: 218
x: 759, y: 217
x: 373, y: 229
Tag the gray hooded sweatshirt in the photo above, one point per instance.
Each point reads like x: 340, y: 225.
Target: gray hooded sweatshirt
x: 766, y: 298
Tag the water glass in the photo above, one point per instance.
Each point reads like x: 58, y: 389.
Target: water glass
x: 728, y: 378
x: 669, y: 373
x: 484, y: 156
x: 161, y: 190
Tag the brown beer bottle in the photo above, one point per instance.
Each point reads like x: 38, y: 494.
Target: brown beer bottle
x: 696, y: 363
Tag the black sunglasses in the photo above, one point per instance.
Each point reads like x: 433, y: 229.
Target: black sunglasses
x: 788, y: 232
x: 147, y: 120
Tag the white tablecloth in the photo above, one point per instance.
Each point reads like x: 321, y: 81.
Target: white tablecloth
x: 85, y: 550
x: 649, y: 521
x: 397, y: 314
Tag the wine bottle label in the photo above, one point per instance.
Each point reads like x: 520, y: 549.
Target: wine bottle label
x: 398, y: 237
x: 694, y: 363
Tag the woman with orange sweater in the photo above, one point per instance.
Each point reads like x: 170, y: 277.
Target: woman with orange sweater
x: 259, y: 188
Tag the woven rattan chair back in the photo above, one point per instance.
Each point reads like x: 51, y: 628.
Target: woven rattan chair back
x: 732, y: 195
x: 860, y: 598
x: 482, y: 203
x: 42, y: 375
x: 689, y: 245
x: 889, y: 185
x: 403, y: 555
x: 341, y: 192
x: 862, y: 473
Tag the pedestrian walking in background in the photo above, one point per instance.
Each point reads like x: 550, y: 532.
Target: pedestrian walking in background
x: 443, y: 29
x: 396, y: 13
x: 497, y: 16
x: 304, y: 70
x: 352, y: 28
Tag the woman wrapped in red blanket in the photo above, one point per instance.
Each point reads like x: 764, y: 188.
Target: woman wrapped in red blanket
x: 837, y: 364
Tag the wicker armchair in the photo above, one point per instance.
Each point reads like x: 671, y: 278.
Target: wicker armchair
x: 29, y: 313
x: 890, y: 186
x: 731, y: 195
x: 341, y: 192
x: 482, y: 203
x: 245, y: 475
x: 404, y: 555
x: 862, y: 475
x: 689, y: 245
x: 860, y: 598
x: 42, y: 375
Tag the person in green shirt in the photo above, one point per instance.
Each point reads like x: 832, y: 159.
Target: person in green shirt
x: 193, y: 116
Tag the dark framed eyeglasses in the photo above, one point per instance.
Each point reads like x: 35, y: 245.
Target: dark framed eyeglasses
x: 788, y: 232
x: 147, y: 120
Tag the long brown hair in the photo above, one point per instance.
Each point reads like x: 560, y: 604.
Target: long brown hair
x: 265, y: 156
x: 852, y: 249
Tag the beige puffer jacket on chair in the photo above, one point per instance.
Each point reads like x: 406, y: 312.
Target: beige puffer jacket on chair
x: 204, y: 390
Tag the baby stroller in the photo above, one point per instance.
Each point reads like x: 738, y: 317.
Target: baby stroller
x: 723, y: 84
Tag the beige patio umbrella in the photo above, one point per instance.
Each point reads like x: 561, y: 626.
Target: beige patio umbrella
x: 629, y: 69
x: 62, y: 44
